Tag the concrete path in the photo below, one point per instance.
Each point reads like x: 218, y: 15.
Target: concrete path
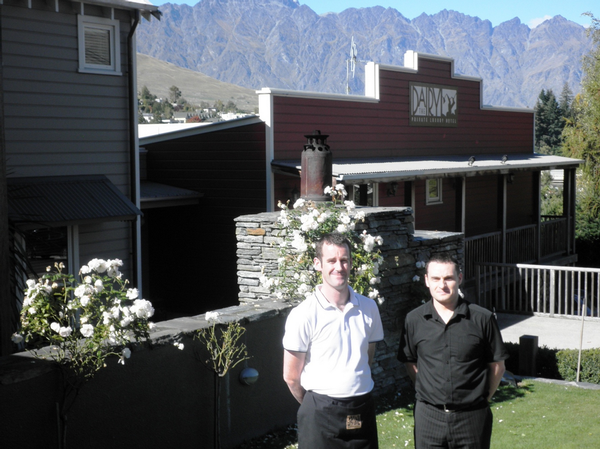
x: 554, y: 333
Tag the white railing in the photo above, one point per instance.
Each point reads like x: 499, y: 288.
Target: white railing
x: 552, y: 290
x: 521, y: 245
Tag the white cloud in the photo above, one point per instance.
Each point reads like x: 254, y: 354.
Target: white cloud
x: 535, y: 22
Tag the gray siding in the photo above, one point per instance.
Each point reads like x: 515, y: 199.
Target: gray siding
x: 62, y: 122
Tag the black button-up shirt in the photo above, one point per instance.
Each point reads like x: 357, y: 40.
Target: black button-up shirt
x: 452, y: 359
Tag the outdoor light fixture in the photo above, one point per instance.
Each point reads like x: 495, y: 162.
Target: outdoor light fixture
x: 248, y: 376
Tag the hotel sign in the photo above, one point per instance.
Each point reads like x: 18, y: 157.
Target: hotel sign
x: 433, y: 105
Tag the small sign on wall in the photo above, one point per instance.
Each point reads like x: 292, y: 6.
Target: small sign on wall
x: 433, y: 105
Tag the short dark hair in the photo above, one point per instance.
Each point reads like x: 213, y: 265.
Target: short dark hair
x: 334, y: 238
x: 443, y: 258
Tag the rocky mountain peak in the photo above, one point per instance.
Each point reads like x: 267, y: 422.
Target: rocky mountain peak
x: 282, y: 44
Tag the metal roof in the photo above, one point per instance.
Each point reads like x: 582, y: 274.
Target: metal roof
x: 361, y: 170
x: 62, y: 200
x: 154, y: 194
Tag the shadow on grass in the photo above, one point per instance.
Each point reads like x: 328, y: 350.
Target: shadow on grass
x: 508, y: 392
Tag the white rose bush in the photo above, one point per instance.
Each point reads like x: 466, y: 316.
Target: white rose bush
x: 79, y: 325
x: 304, y: 224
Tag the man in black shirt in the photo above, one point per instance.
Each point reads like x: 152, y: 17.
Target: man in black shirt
x: 454, y: 354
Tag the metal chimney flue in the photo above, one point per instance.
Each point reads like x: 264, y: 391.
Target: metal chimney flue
x: 317, y: 169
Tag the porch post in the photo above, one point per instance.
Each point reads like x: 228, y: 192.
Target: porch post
x: 463, y: 207
x: 537, y: 201
x: 569, y: 189
x: 504, y: 209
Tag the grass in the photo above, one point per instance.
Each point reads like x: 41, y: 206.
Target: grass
x: 535, y: 415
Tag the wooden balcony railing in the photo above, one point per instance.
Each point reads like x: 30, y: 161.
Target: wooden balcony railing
x: 552, y: 290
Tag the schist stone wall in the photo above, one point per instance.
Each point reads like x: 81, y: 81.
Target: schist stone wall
x: 259, y: 239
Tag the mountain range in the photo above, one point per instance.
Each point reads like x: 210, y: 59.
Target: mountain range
x: 283, y: 44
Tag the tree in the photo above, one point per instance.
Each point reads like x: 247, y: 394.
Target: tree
x: 581, y: 139
x: 174, y: 94
x: 549, y: 123
x: 565, y: 101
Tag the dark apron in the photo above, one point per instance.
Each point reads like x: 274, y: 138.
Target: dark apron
x: 331, y: 423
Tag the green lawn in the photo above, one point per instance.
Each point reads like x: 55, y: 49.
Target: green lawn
x: 536, y: 415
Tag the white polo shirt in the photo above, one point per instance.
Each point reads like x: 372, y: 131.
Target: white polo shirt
x: 336, y: 343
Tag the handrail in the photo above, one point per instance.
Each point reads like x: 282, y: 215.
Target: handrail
x: 546, y: 289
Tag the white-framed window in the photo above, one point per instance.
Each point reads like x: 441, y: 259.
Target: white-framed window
x: 99, y: 45
x: 433, y: 194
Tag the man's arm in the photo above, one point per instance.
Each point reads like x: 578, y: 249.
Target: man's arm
x: 495, y: 373
x: 293, y: 363
x: 411, y: 370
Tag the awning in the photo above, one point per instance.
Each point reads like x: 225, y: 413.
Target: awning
x: 66, y: 200
x: 154, y: 194
x: 364, y: 170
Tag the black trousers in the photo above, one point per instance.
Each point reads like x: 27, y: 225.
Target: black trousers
x: 331, y: 423
x: 435, y: 428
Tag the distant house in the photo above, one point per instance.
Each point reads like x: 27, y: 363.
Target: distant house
x: 68, y: 88
x: 420, y: 137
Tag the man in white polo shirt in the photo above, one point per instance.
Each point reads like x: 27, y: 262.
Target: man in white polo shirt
x: 329, y: 343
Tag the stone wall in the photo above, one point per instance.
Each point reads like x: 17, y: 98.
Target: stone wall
x: 259, y: 239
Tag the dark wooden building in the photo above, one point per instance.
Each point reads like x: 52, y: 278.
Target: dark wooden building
x: 419, y: 137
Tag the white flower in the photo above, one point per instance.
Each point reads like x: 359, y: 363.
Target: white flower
x: 373, y: 294
x: 298, y: 243
x: 55, y: 327
x: 345, y: 218
x: 125, y: 354
x: 212, y: 316
x: 179, y: 346
x: 380, y: 300
x: 31, y: 283
x: 87, y: 330
x: 85, y: 270
x: 341, y: 190
x: 132, y: 293
x: 416, y: 278
x: 375, y: 280
x: 65, y: 331
x: 16, y: 338
x: 99, y: 285
x: 84, y: 300
x: 98, y: 265
x: 341, y: 228
x: 300, y: 202
x: 142, y: 308
x: 327, y: 190
x: 87, y: 279
x: 32, y: 310
x: 82, y: 289
x: 359, y: 216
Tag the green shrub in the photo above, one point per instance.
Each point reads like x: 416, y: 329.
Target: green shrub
x: 590, y: 365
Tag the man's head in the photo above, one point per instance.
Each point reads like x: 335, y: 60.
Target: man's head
x: 334, y: 238
x: 334, y: 261
x: 443, y: 277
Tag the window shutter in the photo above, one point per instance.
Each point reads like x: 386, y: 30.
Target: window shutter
x: 97, y: 46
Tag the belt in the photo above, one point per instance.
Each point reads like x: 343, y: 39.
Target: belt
x: 452, y: 408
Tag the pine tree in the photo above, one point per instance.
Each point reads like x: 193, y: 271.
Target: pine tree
x: 549, y: 123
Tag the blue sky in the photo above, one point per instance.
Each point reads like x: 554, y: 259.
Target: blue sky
x: 530, y: 12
